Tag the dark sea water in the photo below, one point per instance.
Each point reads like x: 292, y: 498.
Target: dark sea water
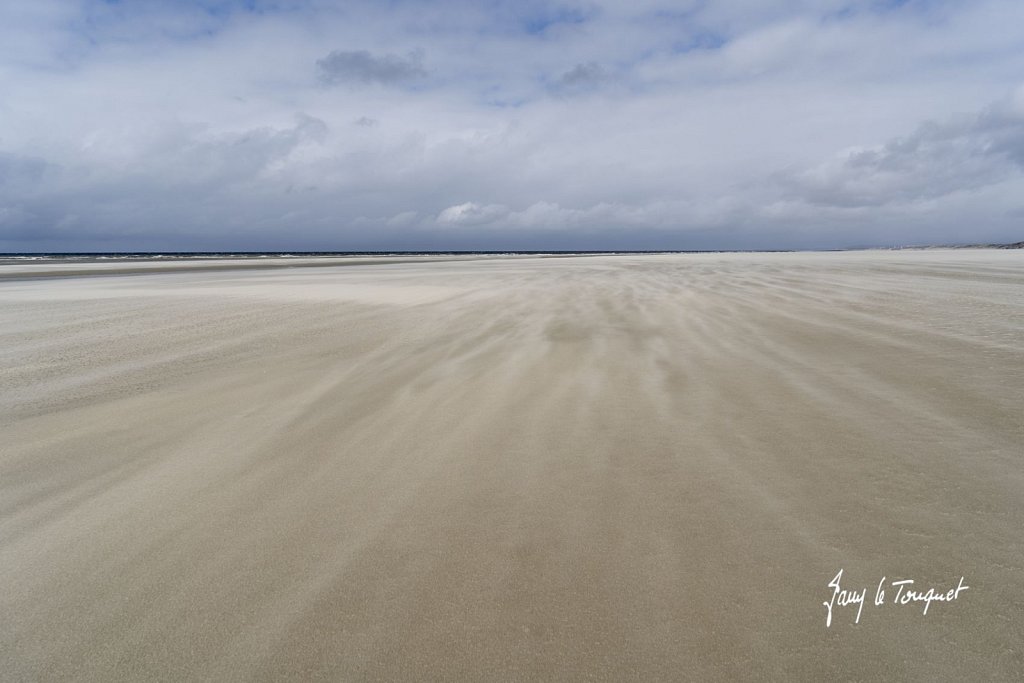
x: 86, y: 257
x: 149, y: 255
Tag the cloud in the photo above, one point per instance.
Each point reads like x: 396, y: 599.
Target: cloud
x: 962, y: 154
x: 360, y: 66
x: 21, y: 171
x: 195, y: 156
x: 471, y: 213
x: 581, y: 124
x: 403, y: 219
x: 181, y: 178
x: 582, y: 77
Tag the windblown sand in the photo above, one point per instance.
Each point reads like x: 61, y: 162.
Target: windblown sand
x: 594, y: 468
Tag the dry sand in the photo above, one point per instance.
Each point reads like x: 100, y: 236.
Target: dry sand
x: 603, y: 468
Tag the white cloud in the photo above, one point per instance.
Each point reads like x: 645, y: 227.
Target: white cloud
x: 471, y: 213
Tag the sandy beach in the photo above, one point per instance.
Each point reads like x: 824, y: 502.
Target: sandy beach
x: 596, y: 468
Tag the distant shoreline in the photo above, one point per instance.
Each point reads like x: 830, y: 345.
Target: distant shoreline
x: 101, y: 256
x: 34, y: 266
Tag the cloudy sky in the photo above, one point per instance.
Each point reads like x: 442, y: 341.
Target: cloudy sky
x: 452, y: 124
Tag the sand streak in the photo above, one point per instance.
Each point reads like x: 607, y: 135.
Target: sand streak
x: 603, y: 468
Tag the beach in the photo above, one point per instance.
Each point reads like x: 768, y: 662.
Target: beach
x: 620, y: 467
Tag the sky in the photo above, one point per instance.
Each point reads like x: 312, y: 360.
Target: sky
x: 160, y: 125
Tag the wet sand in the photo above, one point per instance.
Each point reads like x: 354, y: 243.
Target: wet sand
x: 604, y: 468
